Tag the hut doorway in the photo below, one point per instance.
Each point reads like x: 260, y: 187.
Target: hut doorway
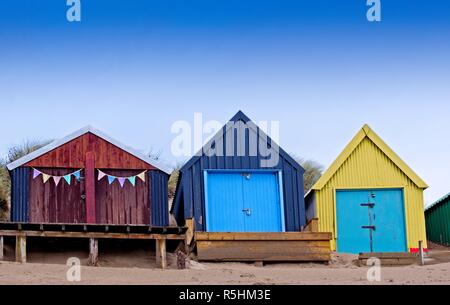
x: 244, y: 201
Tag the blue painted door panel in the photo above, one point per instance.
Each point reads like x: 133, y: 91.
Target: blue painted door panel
x: 243, y: 202
x: 385, y: 213
x: 262, y: 200
x: 350, y: 219
x: 224, y: 203
x: 389, y: 221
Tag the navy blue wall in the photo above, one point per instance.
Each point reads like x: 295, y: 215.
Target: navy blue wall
x: 159, y: 198
x: 310, y: 205
x: 190, y: 196
x: 20, y: 189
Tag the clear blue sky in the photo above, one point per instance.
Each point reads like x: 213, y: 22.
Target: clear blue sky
x: 131, y: 68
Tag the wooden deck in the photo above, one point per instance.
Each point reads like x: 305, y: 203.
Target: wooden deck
x: 264, y: 247
x: 93, y: 232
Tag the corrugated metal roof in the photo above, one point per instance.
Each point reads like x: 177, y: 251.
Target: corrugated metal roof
x: 439, y: 201
x: 89, y: 129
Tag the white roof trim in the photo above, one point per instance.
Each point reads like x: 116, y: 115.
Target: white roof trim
x: 89, y: 129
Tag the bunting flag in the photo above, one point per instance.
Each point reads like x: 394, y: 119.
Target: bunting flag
x: 121, y: 180
x: 57, y: 179
x: 68, y: 179
x: 101, y: 175
x: 46, y: 177
x: 132, y: 180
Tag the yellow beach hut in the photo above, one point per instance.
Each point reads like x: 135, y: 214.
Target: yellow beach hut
x: 369, y: 199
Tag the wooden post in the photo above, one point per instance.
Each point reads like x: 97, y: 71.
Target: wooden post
x: 190, y: 233
x: 21, y: 249
x: 2, y: 251
x: 422, y: 260
x: 90, y: 187
x: 312, y: 226
x: 161, y: 254
x: 93, y: 252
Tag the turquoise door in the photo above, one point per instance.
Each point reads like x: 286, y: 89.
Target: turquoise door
x: 370, y: 221
x: 243, y: 202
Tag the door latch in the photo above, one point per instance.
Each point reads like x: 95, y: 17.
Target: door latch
x: 247, y: 212
x: 369, y: 227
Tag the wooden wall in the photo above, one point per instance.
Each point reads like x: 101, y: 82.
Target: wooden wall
x: 49, y: 203
x: 127, y: 205
x: 73, y: 155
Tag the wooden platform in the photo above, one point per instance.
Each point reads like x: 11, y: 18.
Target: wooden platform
x: 93, y: 232
x: 264, y: 247
x: 389, y: 259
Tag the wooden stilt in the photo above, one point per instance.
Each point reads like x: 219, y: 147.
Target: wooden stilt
x: 93, y: 252
x: 259, y: 264
x: 21, y: 249
x: 2, y: 251
x: 161, y: 254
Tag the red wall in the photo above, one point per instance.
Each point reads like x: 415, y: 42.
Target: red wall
x: 56, y: 204
x: 89, y: 201
x: 73, y: 155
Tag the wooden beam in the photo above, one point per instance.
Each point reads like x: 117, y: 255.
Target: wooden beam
x: 313, y: 226
x: 21, y: 249
x: 99, y: 235
x: 190, y: 231
x: 89, y: 181
x: 2, y: 250
x: 305, y: 236
x: 93, y: 252
x: 161, y: 254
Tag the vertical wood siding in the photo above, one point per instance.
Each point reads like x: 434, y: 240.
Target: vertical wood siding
x: 20, y: 189
x: 127, y: 205
x: 159, y: 202
x: 56, y: 204
x: 368, y: 167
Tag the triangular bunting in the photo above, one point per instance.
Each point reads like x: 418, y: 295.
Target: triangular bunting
x: 45, y: 177
x: 101, y: 175
x: 77, y: 175
x: 122, y: 181
x: 36, y: 173
x: 142, y: 176
x: 57, y: 180
x: 68, y: 178
x: 132, y: 180
x: 111, y: 179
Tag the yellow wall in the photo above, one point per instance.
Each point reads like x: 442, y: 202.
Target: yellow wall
x: 368, y: 167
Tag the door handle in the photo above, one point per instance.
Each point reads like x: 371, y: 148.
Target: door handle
x: 369, y: 227
x: 247, y: 212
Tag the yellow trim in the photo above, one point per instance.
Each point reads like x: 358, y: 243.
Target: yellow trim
x: 366, y: 131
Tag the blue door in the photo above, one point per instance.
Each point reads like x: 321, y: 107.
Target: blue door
x: 351, y: 217
x: 224, y: 202
x: 389, y: 218
x: 243, y: 202
x: 370, y: 221
x: 262, y: 204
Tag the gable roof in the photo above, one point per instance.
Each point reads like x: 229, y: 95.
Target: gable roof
x: 89, y: 129
x: 367, y: 132
x: 240, y: 116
